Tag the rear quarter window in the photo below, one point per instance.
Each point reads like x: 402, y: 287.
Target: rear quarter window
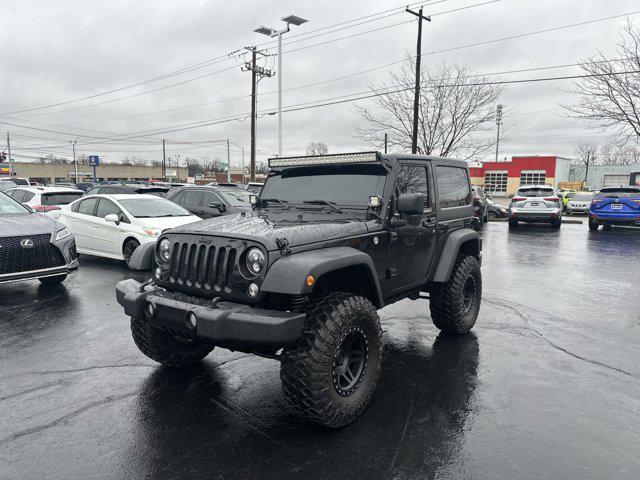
x: 63, y: 198
x: 453, y: 186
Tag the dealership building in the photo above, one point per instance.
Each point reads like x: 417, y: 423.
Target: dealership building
x: 504, y: 178
x: 600, y: 176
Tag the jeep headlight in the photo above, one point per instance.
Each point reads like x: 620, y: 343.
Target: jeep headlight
x: 164, y: 249
x: 63, y: 233
x: 255, y: 260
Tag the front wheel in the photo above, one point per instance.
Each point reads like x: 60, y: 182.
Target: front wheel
x: 330, y: 374
x: 128, y: 250
x: 165, y: 348
x: 455, y: 304
x: 55, y: 280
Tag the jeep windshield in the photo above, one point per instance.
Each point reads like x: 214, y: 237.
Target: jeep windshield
x: 343, y: 185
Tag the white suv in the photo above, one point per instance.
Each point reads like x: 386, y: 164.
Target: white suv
x: 45, y: 199
x: 535, y: 203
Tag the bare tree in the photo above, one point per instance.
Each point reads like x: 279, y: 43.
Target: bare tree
x: 318, y: 148
x: 610, y: 94
x: 614, y: 153
x: 457, y: 108
x: 587, y: 154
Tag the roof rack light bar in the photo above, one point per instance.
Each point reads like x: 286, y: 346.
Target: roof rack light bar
x: 333, y: 159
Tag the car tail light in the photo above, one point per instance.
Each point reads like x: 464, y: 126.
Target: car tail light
x: 551, y: 199
x: 636, y: 201
x: 45, y: 208
x: 518, y: 199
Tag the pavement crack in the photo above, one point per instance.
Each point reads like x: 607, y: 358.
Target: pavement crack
x: 526, y: 320
x: 404, y: 433
x: 82, y: 369
x: 40, y: 428
x: 30, y: 390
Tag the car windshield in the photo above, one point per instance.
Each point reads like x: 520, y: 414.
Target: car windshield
x: 340, y: 184
x: 9, y: 206
x: 152, y: 208
x: 535, y: 192
x: 582, y: 197
x: 620, y: 192
x: 236, y: 197
x: 6, y: 185
x: 60, y: 198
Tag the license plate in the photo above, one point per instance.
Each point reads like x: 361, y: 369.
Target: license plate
x: 616, y: 206
x: 534, y: 204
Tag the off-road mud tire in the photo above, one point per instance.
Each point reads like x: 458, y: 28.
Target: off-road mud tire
x: 449, y: 310
x: 308, y: 369
x: 165, y: 348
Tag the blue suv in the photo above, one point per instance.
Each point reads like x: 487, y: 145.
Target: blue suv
x: 615, y: 206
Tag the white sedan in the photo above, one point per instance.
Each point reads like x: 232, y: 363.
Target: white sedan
x: 113, y: 226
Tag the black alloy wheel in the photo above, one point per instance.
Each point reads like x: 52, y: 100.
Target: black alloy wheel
x: 350, y: 362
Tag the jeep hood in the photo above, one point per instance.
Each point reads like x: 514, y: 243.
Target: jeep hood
x: 266, y: 229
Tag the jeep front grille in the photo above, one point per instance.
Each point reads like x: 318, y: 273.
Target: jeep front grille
x: 15, y: 258
x: 199, y: 266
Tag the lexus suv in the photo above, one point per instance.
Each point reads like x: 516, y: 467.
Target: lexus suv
x: 535, y: 203
x: 33, y: 245
x: 615, y: 206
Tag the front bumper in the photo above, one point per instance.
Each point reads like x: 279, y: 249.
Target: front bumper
x: 46, y: 272
x: 227, y: 324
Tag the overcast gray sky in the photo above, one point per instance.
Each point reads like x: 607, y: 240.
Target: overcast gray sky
x: 55, y: 52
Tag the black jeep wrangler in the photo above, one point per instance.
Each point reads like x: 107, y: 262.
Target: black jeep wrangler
x: 330, y: 240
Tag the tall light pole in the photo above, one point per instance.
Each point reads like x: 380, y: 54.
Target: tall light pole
x: 75, y: 162
x: 271, y: 32
x: 498, y: 123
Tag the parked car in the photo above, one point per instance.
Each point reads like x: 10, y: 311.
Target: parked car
x: 254, y: 187
x: 33, y: 245
x: 6, y: 185
x: 615, y: 206
x: 208, y: 201
x: 495, y: 210
x: 222, y: 184
x: 579, y: 203
x: 113, y: 226
x: 85, y: 186
x: 535, y: 203
x: 45, y: 199
x: 17, y: 180
x: 113, y: 189
x: 480, y: 206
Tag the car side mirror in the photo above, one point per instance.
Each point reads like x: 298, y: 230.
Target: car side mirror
x: 410, y: 203
x: 112, y: 217
x: 220, y: 206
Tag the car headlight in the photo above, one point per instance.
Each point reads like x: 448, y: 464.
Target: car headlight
x: 64, y: 233
x: 255, y: 260
x: 164, y: 249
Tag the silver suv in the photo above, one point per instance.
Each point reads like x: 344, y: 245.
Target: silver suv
x: 535, y: 203
x: 579, y: 203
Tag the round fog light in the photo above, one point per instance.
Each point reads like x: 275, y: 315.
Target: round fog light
x: 253, y: 290
x: 150, y: 309
x: 192, y: 320
x: 158, y: 272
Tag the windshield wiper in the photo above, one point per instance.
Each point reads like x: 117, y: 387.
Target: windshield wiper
x: 276, y: 200
x: 323, y: 202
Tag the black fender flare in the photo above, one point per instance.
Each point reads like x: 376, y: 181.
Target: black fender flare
x: 142, y: 257
x: 288, y: 274
x: 454, y: 242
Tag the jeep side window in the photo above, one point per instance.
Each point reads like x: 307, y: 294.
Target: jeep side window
x: 413, y: 179
x: 453, y: 186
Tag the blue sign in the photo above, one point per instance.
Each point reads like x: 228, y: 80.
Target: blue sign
x: 94, y: 160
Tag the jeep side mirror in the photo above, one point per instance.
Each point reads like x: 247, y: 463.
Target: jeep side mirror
x: 220, y: 206
x: 113, y: 217
x: 410, y: 203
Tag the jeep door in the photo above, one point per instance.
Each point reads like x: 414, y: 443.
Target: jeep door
x: 412, y: 244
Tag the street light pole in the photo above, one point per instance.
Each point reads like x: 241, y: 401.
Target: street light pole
x: 498, y: 123
x: 75, y: 162
x: 228, y: 162
x: 271, y: 32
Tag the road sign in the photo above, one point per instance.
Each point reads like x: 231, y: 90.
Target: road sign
x: 94, y: 160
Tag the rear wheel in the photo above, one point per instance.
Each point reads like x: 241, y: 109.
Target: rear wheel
x: 513, y: 224
x: 593, y: 225
x: 556, y: 223
x: 329, y: 375
x: 455, y: 304
x: 165, y: 348
x: 55, y: 280
x: 606, y: 227
x: 128, y: 250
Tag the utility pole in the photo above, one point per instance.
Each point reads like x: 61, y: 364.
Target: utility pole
x: 228, y: 162
x: 257, y: 73
x: 164, y: 161
x: 385, y: 143
x: 75, y: 162
x: 416, y: 95
x: 586, y: 170
x: 9, y: 153
x: 498, y: 123
x: 242, y: 164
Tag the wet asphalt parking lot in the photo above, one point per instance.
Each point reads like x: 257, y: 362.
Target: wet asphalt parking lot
x: 547, y: 386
